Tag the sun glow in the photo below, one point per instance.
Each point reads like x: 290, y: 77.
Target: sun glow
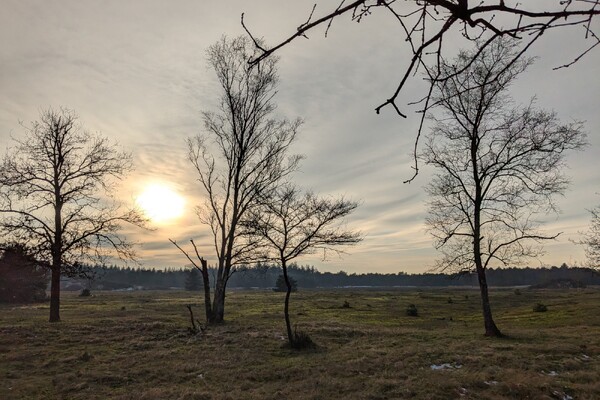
x: 160, y: 203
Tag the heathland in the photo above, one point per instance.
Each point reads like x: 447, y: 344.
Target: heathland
x: 137, y: 345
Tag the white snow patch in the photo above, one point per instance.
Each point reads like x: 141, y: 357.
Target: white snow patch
x: 436, y: 367
x: 562, y: 395
x: 550, y: 373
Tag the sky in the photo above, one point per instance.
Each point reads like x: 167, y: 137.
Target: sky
x: 136, y: 72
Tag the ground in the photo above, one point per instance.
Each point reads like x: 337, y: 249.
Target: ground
x: 136, y: 345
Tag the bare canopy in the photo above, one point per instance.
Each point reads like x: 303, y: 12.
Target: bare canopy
x: 241, y: 156
x: 591, y: 240
x: 56, y: 189
x: 291, y: 224
x: 499, y: 166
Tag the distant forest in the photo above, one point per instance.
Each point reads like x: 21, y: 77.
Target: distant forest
x: 264, y: 276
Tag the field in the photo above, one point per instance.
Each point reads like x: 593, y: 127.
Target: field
x: 136, y: 345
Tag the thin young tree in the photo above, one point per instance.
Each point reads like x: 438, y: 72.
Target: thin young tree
x: 56, y: 188
x: 591, y: 240
x: 498, y: 167
x: 430, y: 29
x: 292, y: 224
x: 241, y: 156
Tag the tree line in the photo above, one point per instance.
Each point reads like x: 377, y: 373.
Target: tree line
x: 23, y: 281
x: 265, y: 276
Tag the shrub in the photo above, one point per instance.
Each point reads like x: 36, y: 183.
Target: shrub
x: 302, y: 340
x: 412, y: 311
x: 280, y: 285
x: 539, y: 307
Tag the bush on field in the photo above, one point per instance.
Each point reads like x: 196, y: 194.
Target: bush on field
x: 281, y: 286
x: 302, y: 340
x: 412, y: 311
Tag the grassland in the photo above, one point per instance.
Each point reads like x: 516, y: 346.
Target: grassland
x: 136, y: 345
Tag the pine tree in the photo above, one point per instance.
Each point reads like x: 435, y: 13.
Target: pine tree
x: 193, y: 280
x: 280, y: 285
x: 22, y: 279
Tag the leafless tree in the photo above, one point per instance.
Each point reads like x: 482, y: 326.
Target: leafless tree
x: 56, y: 189
x: 242, y: 155
x: 499, y: 166
x: 591, y: 240
x: 426, y: 23
x: 293, y: 224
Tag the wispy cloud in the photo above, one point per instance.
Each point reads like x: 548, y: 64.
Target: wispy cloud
x: 135, y: 71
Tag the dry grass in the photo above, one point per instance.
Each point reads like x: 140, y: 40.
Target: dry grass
x: 137, y: 346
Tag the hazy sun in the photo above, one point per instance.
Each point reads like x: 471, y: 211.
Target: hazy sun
x: 160, y: 203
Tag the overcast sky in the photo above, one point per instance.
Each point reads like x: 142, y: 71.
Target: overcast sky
x: 135, y: 71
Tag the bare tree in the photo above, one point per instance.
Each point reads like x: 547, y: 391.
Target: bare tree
x: 591, y: 240
x: 56, y: 189
x: 426, y: 23
x: 293, y: 224
x: 499, y: 166
x: 242, y: 155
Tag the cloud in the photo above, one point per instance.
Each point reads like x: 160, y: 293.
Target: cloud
x: 135, y: 71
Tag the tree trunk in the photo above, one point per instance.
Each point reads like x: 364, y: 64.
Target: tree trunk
x: 490, y: 326
x: 57, y: 258
x: 218, y: 307
x: 207, y: 304
x: 286, y: 308
x: 55, y: 295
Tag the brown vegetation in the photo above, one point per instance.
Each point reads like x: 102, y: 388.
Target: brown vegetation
x: 137, y: 346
